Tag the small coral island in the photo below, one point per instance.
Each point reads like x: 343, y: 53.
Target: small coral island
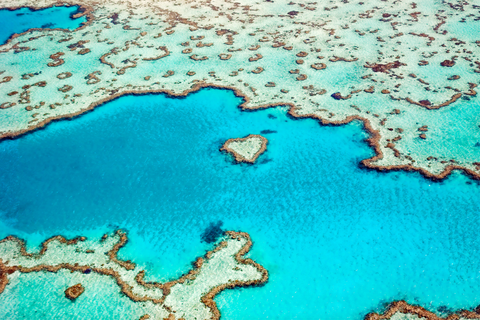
x: 246, y: 149
x: 188, y: 297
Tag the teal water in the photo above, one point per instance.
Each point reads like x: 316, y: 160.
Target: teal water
x: 21, y: 20
x: 339, y: 241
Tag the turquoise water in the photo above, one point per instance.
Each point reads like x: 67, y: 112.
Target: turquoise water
x: 18, y: 21
x: 339, y: 241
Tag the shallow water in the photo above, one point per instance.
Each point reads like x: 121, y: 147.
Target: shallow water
x: 338, y: 240
x: 21, y: 20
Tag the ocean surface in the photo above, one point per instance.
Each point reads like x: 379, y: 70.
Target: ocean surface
x: 338, y: 240
x: 20, y: 20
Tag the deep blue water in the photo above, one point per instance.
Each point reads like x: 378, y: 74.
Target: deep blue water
x: 18, y: 21
x: 338, y: 240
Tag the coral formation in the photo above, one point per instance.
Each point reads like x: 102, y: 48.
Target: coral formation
x: 190, y: 296
x: 246, y: 149
x: 74, y: 292
x: 401, y: 310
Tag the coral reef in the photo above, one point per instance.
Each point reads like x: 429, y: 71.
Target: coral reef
x: 189, y: 297
x: 401, y: 310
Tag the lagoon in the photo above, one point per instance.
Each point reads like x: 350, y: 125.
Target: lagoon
x: 338, y: 240
x: 23, y: 19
